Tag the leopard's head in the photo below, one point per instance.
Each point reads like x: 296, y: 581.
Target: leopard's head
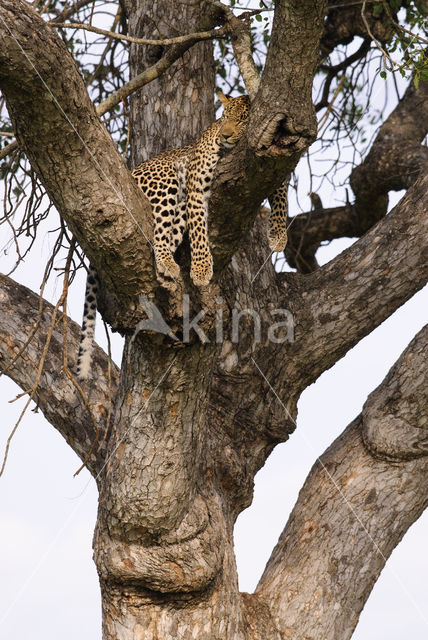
x: 234, y: 119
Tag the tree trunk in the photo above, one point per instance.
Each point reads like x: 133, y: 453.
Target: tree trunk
x: 174, y: 109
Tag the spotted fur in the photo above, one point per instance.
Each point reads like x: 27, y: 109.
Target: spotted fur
x: 277, y: 233
x: 178, y: 185
x: 88, y: 325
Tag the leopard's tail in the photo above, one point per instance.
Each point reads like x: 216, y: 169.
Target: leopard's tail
x: 88, y: 325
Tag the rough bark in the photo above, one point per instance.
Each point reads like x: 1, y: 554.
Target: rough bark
x: 78, y: 163
x: 356, y: 291
x: 373, y: 486
x: 395, y: 159
x: 151, y: 545
x: 162, y: 117
x: 56, y: 396
x: 282, y: 124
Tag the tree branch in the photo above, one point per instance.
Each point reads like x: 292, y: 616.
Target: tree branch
x: 281, y: 126
x: 82, y: 171
x: 332, y: 71
x: 344, y: 22
x: 56, y: 396
x: 348, y: 489
x: 241, y: 43
x: 394, y: 162
x: 350, y: 296
x: 75, y: 158
x: 396, y: 157
x: 172, y: 54
x: 9, y: 148
x: 67, y: 12
x: 190, y: 37
x: 308, y: 230
x: 395, y: 422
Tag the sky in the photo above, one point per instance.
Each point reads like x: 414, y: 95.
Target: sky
x: 48, y: 582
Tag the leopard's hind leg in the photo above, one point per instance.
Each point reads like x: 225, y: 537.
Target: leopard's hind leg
x: 164, y: 205
x: 277, y: 232
x: 179, y: 226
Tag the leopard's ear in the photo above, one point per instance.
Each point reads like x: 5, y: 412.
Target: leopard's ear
x: 224, y: 99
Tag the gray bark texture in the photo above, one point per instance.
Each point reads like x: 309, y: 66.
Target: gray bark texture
x: 194, y: 420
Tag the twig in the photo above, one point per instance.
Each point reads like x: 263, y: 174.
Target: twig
x: 399, y: 27
x: 385, y: 54
x: 9, y: 148
x: 66, y: 13
x: 106, y: 49
x: 241, y: 43
x: 332, y: 71
x: 197, y: 36
x: 171, y: 55
x: 330, y: 105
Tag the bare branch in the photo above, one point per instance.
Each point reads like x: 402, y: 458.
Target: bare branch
x: 191, y: 37
x: 385, y: 54
x: 308, y: 230
x: 332, y: 71
x: 9, y: 148
x: 67, y: 12
x: 394, y: 162
x: 241, y: 43
x: 172, y: 54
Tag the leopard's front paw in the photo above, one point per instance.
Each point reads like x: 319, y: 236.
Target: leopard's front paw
x: 278, y: 241
x: 168, y: 268
x: 202, y: 271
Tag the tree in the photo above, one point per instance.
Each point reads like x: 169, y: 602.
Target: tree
x: 192, y: 419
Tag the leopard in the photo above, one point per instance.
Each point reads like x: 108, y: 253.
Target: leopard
x: 178, y: 185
